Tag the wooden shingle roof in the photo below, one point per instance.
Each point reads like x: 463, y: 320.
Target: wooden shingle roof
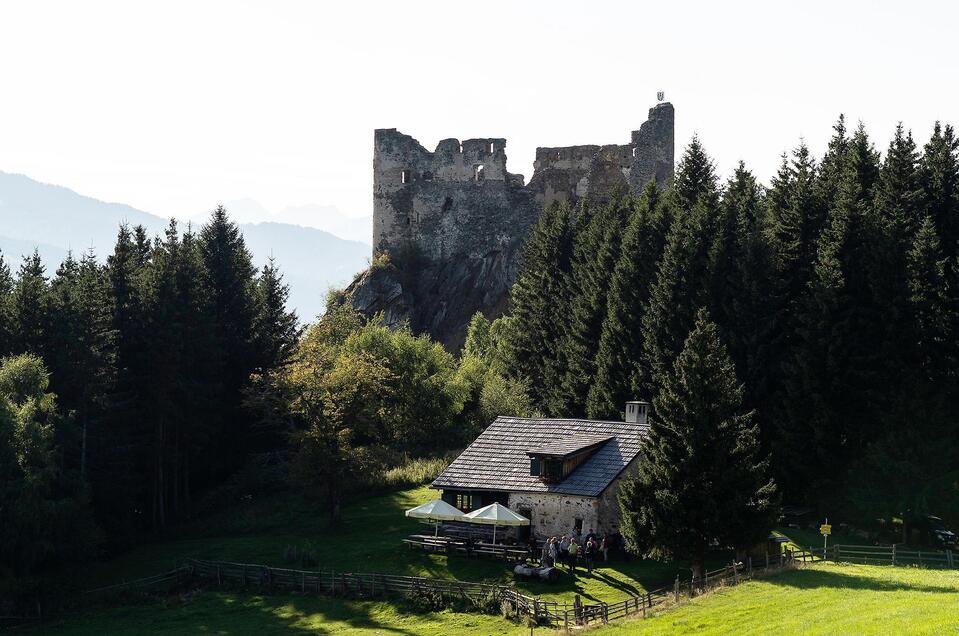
x: 498, y: 460
x: 569, y: 444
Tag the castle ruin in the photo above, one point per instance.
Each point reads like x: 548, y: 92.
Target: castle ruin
x: 453, y: 220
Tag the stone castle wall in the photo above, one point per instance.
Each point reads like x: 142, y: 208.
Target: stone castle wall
x: 461, y: 200
x: 454, y: 220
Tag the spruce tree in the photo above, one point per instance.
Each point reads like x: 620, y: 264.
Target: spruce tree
x: 277, y: 328
x: 620, y: 349
x: 703, y: 476
x: 596, y: 253
x: 939, y: 175
x: 912, y: 464
x: 29, y: 305
x: 538, y: 302
x: 6, y: 308
x: 683, y: 276
x: 744, y: 290
x: 837, y: 364
x: 121, y: 468
x: 831, y: 168
x: 80, y: 349
x: 931, y: 306
x: 796, y: 216
x: 899, y: 192
x: 229, y: 279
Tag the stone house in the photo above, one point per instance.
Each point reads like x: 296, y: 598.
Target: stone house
x: 562, y: 474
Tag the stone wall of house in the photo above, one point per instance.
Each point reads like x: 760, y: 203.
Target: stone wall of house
x: 453, y: 220
x: 553, y: 514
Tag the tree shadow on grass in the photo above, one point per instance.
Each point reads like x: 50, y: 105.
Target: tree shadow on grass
x: 297, y: 615
x: 816, y: 578
x: 618, y: 584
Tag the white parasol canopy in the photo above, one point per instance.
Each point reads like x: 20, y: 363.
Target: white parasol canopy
x: 436, y: 510
x: 496, y: 515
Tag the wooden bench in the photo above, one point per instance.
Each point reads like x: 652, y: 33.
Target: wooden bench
x: 453, y: 544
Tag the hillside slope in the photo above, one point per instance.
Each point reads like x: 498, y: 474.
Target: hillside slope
x: 826, y: 599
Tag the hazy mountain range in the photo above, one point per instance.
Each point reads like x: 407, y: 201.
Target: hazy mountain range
x: 322, y: 217
x: 54, y: 220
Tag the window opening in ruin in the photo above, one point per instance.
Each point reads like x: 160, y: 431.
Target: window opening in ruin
x: 492, y: 147
x: 577, y: 526
x: 634, y: 152
x: 461, y: 149
x: 405, y: 176
x: 479, y: 172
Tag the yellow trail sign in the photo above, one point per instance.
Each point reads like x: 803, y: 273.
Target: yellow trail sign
x: 825, y: 529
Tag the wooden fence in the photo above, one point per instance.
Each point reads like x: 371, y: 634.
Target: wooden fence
x: 157, y: 581
x: 892, y: 555
x: 538, y: 611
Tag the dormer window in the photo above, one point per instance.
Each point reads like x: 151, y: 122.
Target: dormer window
x: 555, y: 461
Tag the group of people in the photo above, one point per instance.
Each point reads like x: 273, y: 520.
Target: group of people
x: 568, y: 550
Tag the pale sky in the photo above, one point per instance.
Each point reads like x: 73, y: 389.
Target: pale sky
x: 173, y: 107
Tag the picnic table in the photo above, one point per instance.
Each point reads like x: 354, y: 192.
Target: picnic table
x: 458, y: 545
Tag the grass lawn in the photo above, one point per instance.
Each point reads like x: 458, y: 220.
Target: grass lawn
x: 226, y: 613
x: 827, y: 598
x: 368, y: 541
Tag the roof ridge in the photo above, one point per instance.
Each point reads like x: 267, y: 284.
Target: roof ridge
x: 559, y: 419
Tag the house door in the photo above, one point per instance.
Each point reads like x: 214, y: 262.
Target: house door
x: 524, y: 531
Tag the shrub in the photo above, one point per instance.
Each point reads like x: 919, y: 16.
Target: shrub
x: 427, y: 600
x: 410, y: 473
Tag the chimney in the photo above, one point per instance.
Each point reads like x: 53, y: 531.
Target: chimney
x: 637, y: 413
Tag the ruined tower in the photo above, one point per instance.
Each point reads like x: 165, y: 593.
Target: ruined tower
x: 453, y: 220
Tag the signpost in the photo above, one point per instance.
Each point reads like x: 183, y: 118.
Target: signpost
x: 825, y: 530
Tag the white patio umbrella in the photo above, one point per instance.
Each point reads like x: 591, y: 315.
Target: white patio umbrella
x: 436, y: 510
x: 496, y: 515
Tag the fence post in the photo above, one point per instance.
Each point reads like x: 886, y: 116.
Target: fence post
x: 676, y: 588
x: 735, y: 573
x: 893, y: 553
x: 218, y: 581
x: 949, y: 558
x: 767, y: 561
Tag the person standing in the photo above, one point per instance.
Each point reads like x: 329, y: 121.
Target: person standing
x: 573, y: 555
x: 604, y: 547
x: 589, y: 552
